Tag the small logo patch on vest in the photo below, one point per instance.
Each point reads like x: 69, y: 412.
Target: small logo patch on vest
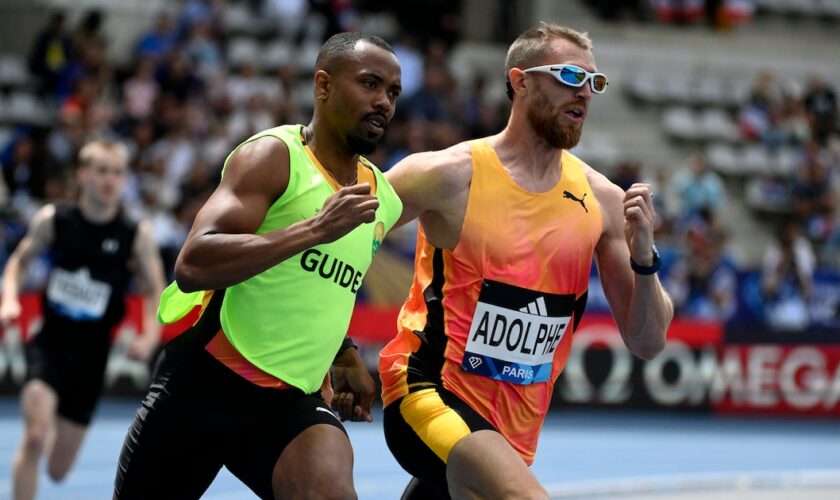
x: 378, y: 236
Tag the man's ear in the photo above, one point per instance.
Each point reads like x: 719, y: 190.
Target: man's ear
x: 516, y: 82
x: 323, y: 85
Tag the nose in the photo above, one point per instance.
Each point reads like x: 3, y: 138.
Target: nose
x: 383, y: 104
x: 584, y: 91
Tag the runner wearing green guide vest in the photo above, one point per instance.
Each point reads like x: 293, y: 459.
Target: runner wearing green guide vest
x: 275, y: 259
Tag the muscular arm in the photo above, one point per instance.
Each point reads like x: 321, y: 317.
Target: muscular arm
x: 434, y: 186
x: 222, y: 249
x: 640, y: 306
x: 150, y: 270
x: 38, y: 238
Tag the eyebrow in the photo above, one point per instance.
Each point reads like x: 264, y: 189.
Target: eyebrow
x: 370, y: 74
x: 379, y: 79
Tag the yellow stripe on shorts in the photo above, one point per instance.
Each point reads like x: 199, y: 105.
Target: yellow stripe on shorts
x: 437, y: 425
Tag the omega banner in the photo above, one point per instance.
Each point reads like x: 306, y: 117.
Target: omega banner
x: 697, y: 369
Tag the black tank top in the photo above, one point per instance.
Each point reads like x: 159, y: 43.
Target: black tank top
x: 91, y: 271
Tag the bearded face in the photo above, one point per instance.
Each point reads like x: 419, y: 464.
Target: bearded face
x: 548, y: 122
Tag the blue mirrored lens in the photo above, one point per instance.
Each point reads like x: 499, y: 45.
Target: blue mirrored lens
x: 572, y: 76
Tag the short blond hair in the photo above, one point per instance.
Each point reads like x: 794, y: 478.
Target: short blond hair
x: 95, y: 147
x: 527, y: 49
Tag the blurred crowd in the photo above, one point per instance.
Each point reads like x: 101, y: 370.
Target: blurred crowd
x: 182, y: 106
x: 182, y: 103
x: 798, y: 204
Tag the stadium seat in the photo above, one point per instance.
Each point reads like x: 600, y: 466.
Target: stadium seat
x: 801, y: 7
x: 23, y: 107
x: 681, y: 123
x: 828, y: 8
x: 237, y: 18
x: 242, y: 50
x: 783, y: 162
x: 716, y: 124
x: 380, y: 24
x: 5, y: 135
x: 723, y: 158
x: 645, y: 87
x: 755, y: 160
x: 677, y: 89
x: 13, y: 72
x: 304, y: 60
x: 275, y: 54
x: 598, y: 150
x: 708, y: 91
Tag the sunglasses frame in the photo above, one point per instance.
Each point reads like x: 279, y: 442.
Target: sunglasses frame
x: 555, y: 70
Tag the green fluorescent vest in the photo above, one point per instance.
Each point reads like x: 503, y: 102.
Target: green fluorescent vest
x: 289, y: 320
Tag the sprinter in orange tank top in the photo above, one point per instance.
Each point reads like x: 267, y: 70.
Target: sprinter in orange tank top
x: 509, y: 228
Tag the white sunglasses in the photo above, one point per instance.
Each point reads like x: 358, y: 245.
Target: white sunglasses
x: 573, y: 76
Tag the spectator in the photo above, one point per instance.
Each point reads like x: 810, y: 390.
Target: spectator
x: 795, y: 121
x: 703, y: 283
x: 626, y: 174
x: 89, y: 30
x: 697, y: 188
x: 51, y: 54
x: 157, y: 42
x: 178, y: 78
x: 140, y: 90
x: 433, y: 101
x: 411, y: 60
x: 787, y: 278
x: 244, y: 84
x: 203, y: 49
x: 814, y: 196
x: 821, y: 103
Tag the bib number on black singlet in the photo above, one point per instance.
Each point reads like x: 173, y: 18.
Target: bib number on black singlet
x: 76, y: 295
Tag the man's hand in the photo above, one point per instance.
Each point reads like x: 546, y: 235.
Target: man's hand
x: 9, y: 312
x: 639, y: 220
x: 327, y: 392
x: 345, y: 210
x: 355, y: 389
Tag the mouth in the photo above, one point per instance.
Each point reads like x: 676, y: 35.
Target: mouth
x: 575, y: 114
x: 376, y: 123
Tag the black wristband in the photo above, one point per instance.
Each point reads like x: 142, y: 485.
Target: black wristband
x: 647, y: 270
x: 347, y: 343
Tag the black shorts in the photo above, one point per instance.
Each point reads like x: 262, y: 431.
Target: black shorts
x: 198, y: 416
x: 421, y: 429
x: 73, y: 364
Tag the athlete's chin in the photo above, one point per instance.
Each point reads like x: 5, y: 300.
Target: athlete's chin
x: 563, y: 139
x: 363, y: 145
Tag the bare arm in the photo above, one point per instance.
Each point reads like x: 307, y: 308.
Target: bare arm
x: 434, y: 186
x: 150, y: 270
x: 640, y: 306
x: 222, y: 249
x: 38, y: 238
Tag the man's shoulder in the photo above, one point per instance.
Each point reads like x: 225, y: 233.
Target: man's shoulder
x: 601, y: 185
x: 452, y: 160
x: 264, y: 149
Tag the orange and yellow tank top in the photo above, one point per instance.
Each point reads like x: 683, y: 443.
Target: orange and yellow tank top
x: 492, y: 320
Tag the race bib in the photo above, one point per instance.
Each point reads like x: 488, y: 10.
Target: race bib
x: 514, y: 333
x: 76, y: 295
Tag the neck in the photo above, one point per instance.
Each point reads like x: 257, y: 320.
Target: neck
x: 334, y: 156
x: 525, y: 154
x: 96, y: 212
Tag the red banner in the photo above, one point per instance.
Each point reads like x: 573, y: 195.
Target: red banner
x: 777, y: 378
x: 696, y: 368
